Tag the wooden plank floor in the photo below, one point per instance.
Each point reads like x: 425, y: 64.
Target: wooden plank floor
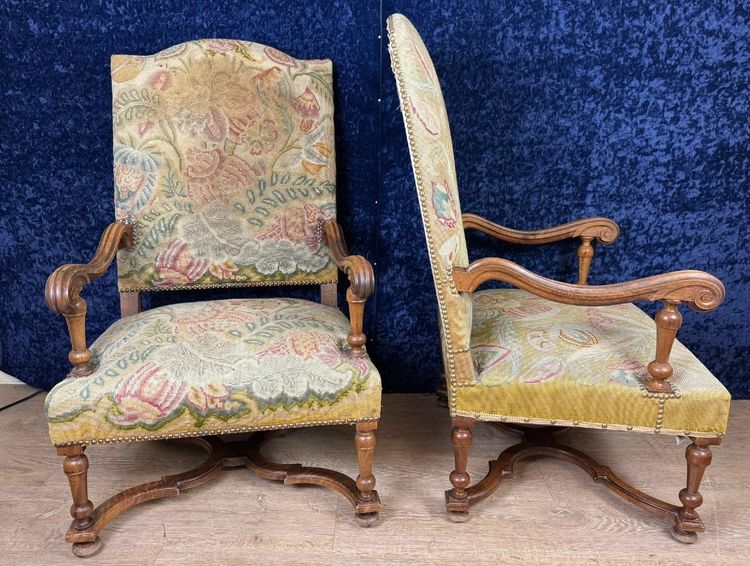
x: 14, y: 392
x: 549, y: 513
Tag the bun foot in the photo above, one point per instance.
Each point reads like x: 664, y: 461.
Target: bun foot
x: 458, y: 516
x: 86, y: 549
x: 366, y: 520
x: 685, y: 537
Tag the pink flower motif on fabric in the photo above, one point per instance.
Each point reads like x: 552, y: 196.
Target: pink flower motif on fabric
x: 307, y: 345
x: 146, y: 398
x: 216, y: 176
x: 161, y: 80
x: 215, y: 127
x: 313, y: 346
x: 281, y: 58
x: 175, y: 265
x: 220, y: 46
x: 257, y: 133
x: 307, y: 106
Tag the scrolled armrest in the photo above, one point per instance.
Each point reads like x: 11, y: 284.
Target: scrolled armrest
x: 62, y: 292
x: 700, y: 290
x: 597, y: 228
x: 361, y: 282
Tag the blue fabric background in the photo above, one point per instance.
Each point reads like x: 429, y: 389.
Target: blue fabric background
x: 634, y: 110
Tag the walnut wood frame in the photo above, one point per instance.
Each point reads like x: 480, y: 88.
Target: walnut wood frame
x: 63, y: 296
x: 597, y: 228
x: 540, y: 441
x: 361, y: 283
x: 699, y: 290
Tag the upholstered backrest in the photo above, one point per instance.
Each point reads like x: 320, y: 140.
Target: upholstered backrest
x: 429, y: 139
x: 224, y: 162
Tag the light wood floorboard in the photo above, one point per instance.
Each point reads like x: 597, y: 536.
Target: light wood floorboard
x: 549, y: 513
x: 12, y: 392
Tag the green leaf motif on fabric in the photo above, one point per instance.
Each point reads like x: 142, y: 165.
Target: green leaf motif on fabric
x: 135, y: 104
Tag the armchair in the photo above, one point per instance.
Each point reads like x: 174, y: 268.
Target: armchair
x: 545, y: 355
x: 224, y: 177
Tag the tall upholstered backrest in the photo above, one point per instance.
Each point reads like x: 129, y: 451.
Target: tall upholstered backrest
x: 429, y: 139
x: 224, y: 163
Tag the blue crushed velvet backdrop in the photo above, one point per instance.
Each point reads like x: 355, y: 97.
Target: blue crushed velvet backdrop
x: 634, y: 110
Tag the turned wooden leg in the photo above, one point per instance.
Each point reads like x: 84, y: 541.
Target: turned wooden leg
x: 457, y: 500
x: 76, y: 466
x: 364, y: 440
x: 698, y: 456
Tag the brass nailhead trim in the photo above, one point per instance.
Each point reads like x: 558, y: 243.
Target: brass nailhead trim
x: 490, y: 417
x: 87, y: 442
x: 440, y: 282
x: 226, y: 285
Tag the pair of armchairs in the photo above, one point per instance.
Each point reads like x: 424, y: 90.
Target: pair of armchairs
x: 224, y: 171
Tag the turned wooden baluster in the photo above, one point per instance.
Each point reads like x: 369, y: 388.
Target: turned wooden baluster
x: 62, y: 293
x: 585, y: 254
x: 364, y: 440
x: 76, y: 466
x: 461, y: 437
x: 668, y: 322
x: 698, y: 456
x: 361, y: 284
x: 80, y: 355
x: 356, y: 338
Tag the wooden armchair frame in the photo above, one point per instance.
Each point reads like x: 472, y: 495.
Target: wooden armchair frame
x: 699, y: 290
x: 597, y: 228
x: 63, y: 296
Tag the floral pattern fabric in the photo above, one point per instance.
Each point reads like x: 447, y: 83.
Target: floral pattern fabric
x: 224, y: 162
x: 545, y: 362
x: 216, y: 367
x: 429, y: 139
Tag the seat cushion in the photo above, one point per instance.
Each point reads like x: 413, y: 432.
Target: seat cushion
x: 216, y: 367
x: 548, y: 363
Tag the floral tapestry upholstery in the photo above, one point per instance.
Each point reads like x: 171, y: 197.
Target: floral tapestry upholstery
x: 224, y: 163
x: 214, y: 367
x: 429, y: 139
x: 548, y: 363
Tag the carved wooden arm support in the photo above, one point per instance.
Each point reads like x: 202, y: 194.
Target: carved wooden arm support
x: 63, y: 291
x: 361, y: 283
x: 597, y: 228
x: 701, y: 291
